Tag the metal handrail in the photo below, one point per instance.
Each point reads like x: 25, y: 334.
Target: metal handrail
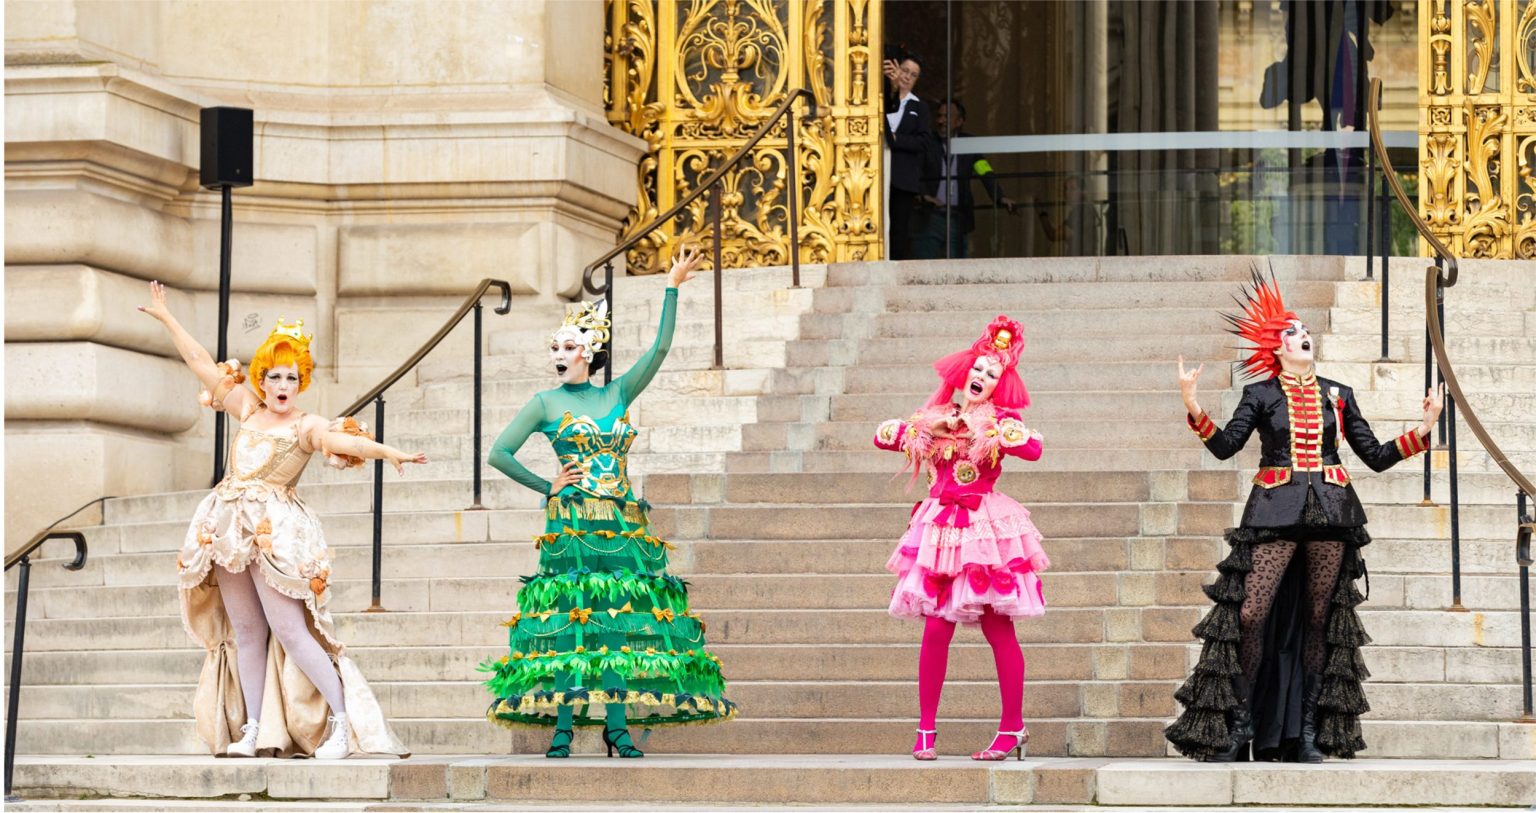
x: 18, y: 642
x: 376, y: 397
x: 711, y: 184
x: 1444, y: 274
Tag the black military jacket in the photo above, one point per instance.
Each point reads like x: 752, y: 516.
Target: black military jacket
x: 1298, y: 424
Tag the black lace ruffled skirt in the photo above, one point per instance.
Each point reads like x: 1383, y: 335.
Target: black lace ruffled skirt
x: 1208, y: 697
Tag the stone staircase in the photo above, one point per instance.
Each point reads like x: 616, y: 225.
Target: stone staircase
x: 764, y: 475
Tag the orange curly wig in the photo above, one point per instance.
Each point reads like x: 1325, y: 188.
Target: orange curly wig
x: 280, y: 350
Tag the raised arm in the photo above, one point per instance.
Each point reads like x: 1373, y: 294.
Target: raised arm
x: 635, y: 380
x: 503, y: 457
x: 1229, y: 440
x: 1015, y: 439
x: 1382, y: 456
x: 345, y: 444
x: 234, y: 398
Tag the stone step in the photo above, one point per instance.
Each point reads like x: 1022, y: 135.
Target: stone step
x: 1470, y: 321
x: 873, y: 460
x: 1038, y: 347
x: 955, y: 329
x: 722, y: 782
x: 1054, y: 295
x: 464, y: 696
x: 1494, y: 290
x: 1389, y: 627
x: 757, y: 737
x: 1235, y: 269
x: 1502, y: 349
x: 970, y: 659
x: 400, y: 494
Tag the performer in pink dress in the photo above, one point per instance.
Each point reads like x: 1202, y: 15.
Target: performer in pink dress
x: 970, y: 555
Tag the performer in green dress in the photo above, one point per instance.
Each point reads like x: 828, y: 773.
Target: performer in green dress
x: 601, y: 623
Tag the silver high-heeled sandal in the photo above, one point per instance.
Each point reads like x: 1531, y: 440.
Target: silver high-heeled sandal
x: 929, y: 753
x: 993, y: 755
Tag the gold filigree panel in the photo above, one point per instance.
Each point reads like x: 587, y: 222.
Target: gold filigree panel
x: 696, y: 78
x: 1477, y: 126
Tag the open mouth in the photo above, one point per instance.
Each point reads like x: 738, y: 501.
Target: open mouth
x: 1306, y: 345
x: 975, y: 388
x: 282, y: 399
x: 560, y: 369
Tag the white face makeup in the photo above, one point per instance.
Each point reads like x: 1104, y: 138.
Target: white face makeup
x: 1296, y: 348
x: 281, y: 385
x: 569, y: 355
x: 982, y: 379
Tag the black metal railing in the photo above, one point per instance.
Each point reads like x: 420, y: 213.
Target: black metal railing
x: 712, y: 185
x: 1441, y: 275
x: 376, y: 397
x: 22, y: 558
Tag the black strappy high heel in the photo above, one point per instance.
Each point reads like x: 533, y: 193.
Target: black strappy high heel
x: 557, y: 748
x: 619, y: 738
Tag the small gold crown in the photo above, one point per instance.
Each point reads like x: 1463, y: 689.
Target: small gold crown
x: 1003, y: 338
x: 293, y: 331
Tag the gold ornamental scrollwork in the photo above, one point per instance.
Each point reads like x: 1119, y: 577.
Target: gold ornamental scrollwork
x: 1477, y: 130
x: 696, y: 78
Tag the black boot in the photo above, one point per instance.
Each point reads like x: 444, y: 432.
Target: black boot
x: 1307, y: 751
x: 1240, y: 731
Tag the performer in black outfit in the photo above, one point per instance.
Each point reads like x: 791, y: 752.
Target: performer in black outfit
x: 1280, y: 668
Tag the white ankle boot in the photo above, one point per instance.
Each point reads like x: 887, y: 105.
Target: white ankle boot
x: 246, y: 747
x: 336, y: 746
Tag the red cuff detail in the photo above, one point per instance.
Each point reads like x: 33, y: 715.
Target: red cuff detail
x: 1411, y: 443
x: 1203, y: 427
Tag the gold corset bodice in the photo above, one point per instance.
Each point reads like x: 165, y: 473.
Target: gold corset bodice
x: 263, y: 462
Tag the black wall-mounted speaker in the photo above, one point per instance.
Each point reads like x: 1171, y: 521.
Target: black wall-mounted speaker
x: 227, y: 147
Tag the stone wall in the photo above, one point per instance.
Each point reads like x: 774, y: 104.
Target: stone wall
x: 403, y: 151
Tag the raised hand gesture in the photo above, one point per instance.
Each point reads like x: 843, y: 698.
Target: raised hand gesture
x: 1189, y: 382
x: 398, y: 459
x: 684, y: 264
x: 1434, y: 401
x: 157, y: 307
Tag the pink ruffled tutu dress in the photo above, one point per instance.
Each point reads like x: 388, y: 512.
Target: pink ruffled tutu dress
x: 967, y: 549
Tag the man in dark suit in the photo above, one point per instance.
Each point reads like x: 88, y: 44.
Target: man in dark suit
x: 952, y: 205
x: 909, y: 136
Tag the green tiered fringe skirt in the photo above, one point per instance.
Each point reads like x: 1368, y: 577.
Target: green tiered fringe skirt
x: 601, y: 623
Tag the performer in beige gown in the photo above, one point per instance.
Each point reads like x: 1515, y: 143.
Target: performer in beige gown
x: 255, y: 570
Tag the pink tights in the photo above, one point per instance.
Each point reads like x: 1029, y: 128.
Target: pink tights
x: 933, y: 663
x: 255, y: 609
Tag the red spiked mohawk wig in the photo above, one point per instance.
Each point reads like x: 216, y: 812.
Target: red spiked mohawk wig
x: 1002, y: 341
x: 1263, y: 318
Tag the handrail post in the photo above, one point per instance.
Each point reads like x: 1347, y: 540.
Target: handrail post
x: 17, y: 646
x: 378, y: 510
x: 793, y: 213
x: 715, y: 206
x: 1385, y: 235
x: 475, y: 462
x: 226, y: 239
x: 1450, y: 409
x: 612, y: 329
x: 1523, y: 559
x: 1370, y: 213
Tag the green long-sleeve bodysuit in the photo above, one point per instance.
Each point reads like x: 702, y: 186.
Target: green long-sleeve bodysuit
x: 601, y: 622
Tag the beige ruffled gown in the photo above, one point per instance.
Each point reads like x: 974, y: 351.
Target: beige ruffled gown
x: 253, y: 518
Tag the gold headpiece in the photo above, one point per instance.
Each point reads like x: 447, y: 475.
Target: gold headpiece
x: 592, y: 319
x: 294, y: 331
x: 1003, y: 339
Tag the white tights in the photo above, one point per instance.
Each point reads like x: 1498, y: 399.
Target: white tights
x: 255, y: 608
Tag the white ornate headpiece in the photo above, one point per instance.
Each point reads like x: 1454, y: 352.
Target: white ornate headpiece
x: 589, y: 326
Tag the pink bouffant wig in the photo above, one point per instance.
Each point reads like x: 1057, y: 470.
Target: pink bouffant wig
x: 1002, y: 341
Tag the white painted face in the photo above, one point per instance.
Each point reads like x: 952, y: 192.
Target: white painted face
x: 570, y: 357
x: 1295, y: 348
x: 982, y: 380
x: 281, y: 384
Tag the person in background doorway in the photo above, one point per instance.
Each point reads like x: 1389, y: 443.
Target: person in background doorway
x: 909, y: 136
x: 952, y: 208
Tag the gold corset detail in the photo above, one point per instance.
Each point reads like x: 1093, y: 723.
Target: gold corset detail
x: 262, y: 463
x: 1304, y: 403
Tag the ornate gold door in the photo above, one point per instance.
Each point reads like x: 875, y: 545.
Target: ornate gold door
x: 1477, y: 125
x: 695, y: 78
